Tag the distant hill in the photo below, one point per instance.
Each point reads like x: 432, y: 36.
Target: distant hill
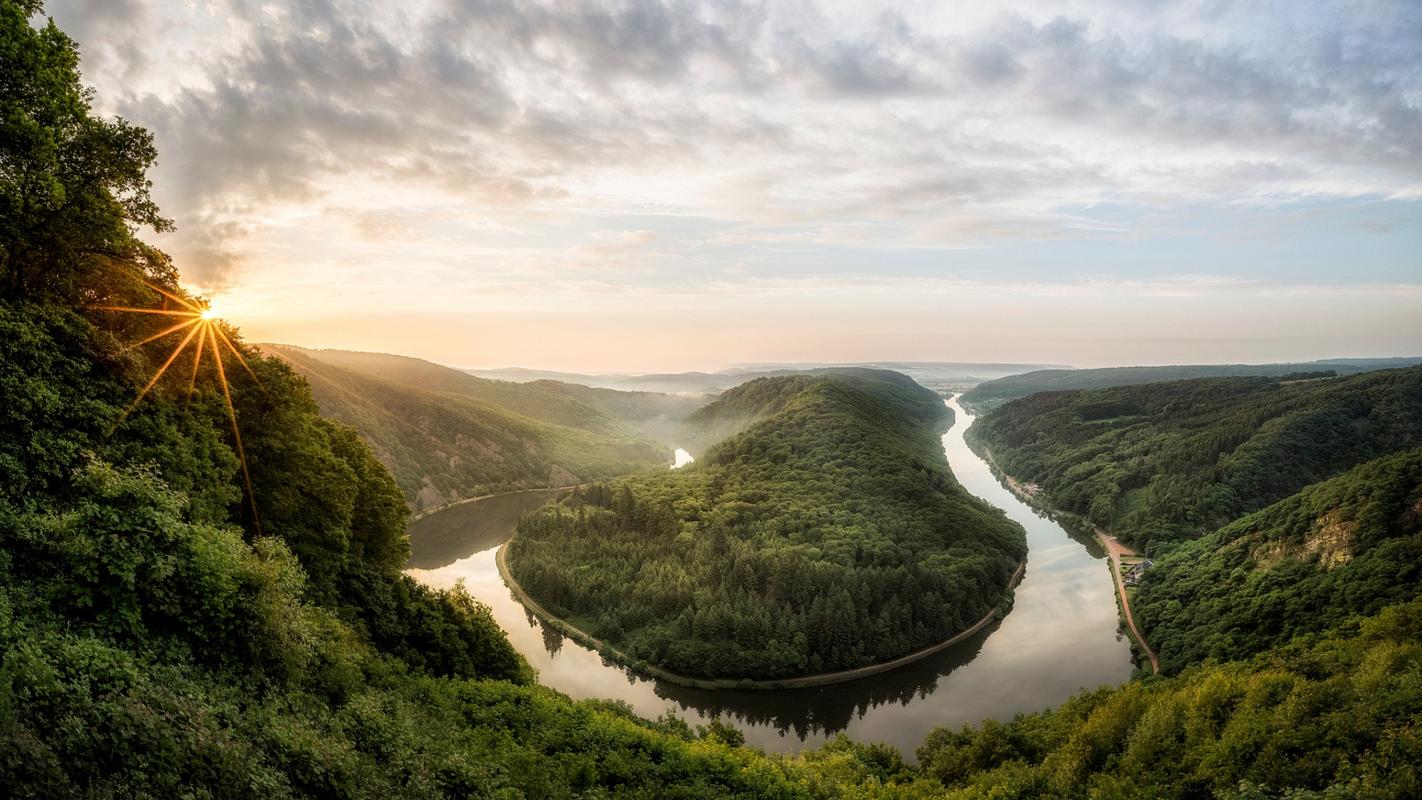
x: 929, y: 373
x: 1166, y: 461
x: 447, y: 435
x: 990, y: 395
x: 1348, y: 545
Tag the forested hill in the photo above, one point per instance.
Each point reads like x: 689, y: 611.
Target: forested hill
x: 742, y: 406
x: 1349, y: 545
x: 1166, y: 461
x: 827, y: 536
x: 990, y: 395
x: 447, y: 435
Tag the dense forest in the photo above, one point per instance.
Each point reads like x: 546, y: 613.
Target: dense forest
x: 990, y: 395
x: 159, y: 639
x: 1328, y: 716
x: 827, y: 536
x: 1349, y: 545
x: 1167, y: 461
x: 448, y: 435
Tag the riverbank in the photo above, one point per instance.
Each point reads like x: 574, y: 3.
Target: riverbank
x: 467, y: 500
x: 1114, y: 550
x: 801, y: 682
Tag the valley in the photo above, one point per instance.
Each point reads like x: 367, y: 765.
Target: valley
x: 1059, y: 636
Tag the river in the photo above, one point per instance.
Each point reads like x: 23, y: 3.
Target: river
x: 1060, y: 636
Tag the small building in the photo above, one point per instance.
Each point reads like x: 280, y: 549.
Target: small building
x: 1131, y: 574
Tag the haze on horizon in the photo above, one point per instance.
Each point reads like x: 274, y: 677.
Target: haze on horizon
x: 669, y: 186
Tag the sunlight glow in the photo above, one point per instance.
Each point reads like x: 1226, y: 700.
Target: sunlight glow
x: 206, y: 329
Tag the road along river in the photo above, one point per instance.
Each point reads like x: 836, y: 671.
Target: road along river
x: 1060, y: 636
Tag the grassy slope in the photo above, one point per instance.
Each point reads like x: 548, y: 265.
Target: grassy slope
x: 829, y: 535
x: 991, y: 395
x: 447, y: 435
x: 1175, y: 460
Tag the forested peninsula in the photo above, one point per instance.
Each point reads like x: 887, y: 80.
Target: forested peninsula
x: 829, y: 535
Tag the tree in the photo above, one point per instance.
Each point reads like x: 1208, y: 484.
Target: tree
x: 73, y: 187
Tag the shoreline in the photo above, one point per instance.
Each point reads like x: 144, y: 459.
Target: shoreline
x: 1114, y: 550
x: 797, y: 682
x: 467, y: 500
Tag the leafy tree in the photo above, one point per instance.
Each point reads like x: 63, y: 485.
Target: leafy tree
x: 73, y: 187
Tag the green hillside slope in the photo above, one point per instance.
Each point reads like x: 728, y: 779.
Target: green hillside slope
x: 1323, y: 717
x: 990, y: 395
x: 1349, y: 545
x: 447, y: 435
x: 829, y: 535
x: 1166, y: 461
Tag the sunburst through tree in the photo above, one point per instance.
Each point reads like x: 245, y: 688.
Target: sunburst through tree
x: 197, y: 323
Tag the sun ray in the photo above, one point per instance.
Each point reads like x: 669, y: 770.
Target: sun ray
x: 203, y: 324
x: 163, y: 311
x: 197, y: 360
x: 236, y: 433
x: 164, y: 368
x: 175, y: 298
x: 161, y: 334
x: 242, y: 360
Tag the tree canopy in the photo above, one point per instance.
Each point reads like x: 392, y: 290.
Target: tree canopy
x: 828, y: 535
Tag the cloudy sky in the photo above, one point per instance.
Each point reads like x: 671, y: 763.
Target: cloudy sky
x: 646, y: 185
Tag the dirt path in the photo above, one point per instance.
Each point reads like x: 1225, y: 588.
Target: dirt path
x: 803, y: 681
x: 1116, y: 550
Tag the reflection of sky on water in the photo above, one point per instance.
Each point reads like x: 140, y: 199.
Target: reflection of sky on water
x: 681, y: 458
x: 1059, y: 637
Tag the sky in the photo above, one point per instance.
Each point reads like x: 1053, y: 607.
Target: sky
x: 662, y: 185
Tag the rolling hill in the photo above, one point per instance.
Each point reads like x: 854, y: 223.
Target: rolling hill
x: 447, y: 435
x: 1169, y: 461
x: 992, y: 394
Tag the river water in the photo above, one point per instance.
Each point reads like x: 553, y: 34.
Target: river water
x: 1060, y: 636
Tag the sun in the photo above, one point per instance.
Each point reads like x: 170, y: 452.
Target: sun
x: 202, y: 324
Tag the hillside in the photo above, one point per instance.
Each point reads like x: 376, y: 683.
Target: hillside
x: 1349, y: 545
x: 991, y: 395
x: 828, y: 535
x: 750, y: 402
x: 447, y: 435
x: 1168, y: 461
x: 1325, y: 716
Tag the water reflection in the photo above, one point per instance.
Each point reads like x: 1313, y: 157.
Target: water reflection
x: 1060, y: 636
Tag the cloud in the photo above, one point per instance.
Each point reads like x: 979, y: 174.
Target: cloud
x: 981, y: 125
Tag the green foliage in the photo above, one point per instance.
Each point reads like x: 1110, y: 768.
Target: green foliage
x: 1332, y: 716
x: 990, y: 395
x: 72, y: 186
x: 1168, y: 461
x: 447, y: 435
x: 1349, y: 545
x: 738, y: 409
x: 830, y: 535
